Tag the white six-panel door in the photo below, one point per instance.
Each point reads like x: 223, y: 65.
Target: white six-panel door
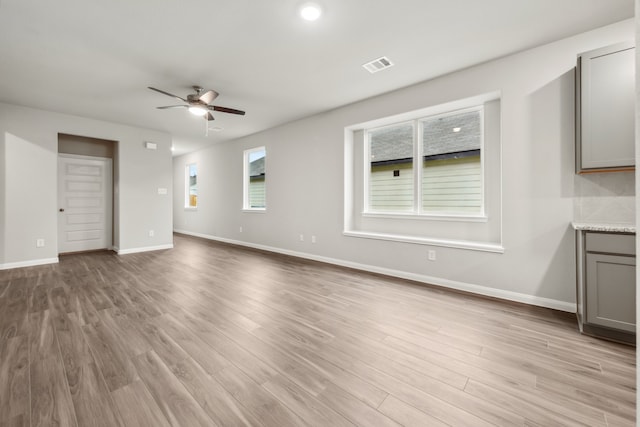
x: 84, y: 203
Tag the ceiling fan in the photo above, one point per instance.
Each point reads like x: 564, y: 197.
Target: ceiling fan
x: 199, y: 103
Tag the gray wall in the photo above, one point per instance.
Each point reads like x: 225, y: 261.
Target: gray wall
x: 305, y: 185
x: 637, y: 180
x: 29, y: 143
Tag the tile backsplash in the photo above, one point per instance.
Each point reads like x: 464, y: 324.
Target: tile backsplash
x: 605, y: 197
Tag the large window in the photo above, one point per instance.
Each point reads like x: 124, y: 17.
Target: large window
x: 431, y: 176
x: 427, y: 166
x: 191, y: 186
x: 255, y: 179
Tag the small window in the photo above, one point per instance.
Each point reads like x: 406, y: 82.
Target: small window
x: 191, y: 186
x: 255, y: 179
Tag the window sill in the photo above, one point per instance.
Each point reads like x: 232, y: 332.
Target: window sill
x: 255, y: 210
x: 190, y: 208
x: 457, y: 244
x: 426, y: 217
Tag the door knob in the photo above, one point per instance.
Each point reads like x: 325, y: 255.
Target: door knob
x: 61, y: 209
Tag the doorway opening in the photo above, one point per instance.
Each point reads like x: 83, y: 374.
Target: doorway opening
x: 85, y: 193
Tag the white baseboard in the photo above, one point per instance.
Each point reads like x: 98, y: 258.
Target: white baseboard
x: 31, y: 263
x: 445, y: 283
x: 143, y: 249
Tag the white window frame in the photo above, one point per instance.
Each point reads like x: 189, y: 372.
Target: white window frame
x: 418, y: 149
x: 483, y: 234
x: 187, y: 181
x: 246, y: 206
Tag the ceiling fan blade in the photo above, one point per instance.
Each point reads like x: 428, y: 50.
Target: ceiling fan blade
x: 210, y: 117
x: 172, y: 106
x: 208, y: 96
x: 167, y: 93
x: 226, y: 110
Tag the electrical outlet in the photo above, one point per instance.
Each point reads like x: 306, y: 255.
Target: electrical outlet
x: 40, y: 243
x: 302, y: 237
x: 431, y: 255
x: 151, y: 233
x: 313, y: 239
x: 241, y: 229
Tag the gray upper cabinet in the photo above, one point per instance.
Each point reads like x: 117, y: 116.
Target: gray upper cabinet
x: 605, y: 105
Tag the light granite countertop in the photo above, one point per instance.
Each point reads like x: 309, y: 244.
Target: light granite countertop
x: 610, y: 228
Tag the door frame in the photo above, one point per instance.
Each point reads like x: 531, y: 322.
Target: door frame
x: 109, y: 198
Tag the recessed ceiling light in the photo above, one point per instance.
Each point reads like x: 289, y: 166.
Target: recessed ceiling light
x: 310, y: 11
x: 457, y: 129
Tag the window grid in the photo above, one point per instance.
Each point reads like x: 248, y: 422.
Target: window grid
x: 419, y: 164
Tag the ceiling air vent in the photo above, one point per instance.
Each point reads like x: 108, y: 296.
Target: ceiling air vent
x: 378, y: 64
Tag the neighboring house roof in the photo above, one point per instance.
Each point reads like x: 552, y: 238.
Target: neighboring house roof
x: 256, y: 168
x: 395, y: 143
x: 392, y: 143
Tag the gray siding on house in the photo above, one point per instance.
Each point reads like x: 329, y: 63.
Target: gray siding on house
x: 449, y: 185
x: 257, y: 192
x: 257, y: 187
x: 389, y: 193
x: 452, y: 185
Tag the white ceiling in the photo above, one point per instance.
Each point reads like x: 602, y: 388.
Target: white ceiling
x: 95, y: 58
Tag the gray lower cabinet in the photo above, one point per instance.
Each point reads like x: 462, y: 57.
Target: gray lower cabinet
x: 611, y: 296
x: 607, y: 284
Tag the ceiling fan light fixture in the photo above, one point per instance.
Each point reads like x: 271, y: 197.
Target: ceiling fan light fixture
x: 310, y: 11
x: 197, y: 110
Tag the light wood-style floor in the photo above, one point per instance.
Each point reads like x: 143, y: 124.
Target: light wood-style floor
x: 210, y: 334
